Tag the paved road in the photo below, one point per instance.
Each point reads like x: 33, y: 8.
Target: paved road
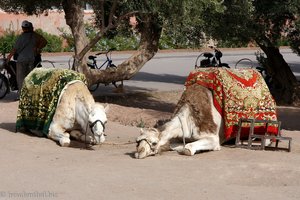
x: 168, y: 71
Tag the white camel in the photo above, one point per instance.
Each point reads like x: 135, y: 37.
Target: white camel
x: 204, y: 132
x: 56, y: 103
x: 77, y: 115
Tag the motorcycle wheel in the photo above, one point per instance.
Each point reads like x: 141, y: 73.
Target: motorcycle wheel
x: 4, y: 86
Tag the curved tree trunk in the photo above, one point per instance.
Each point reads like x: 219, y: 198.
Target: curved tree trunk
x: 150, y: 30
x: 284, y: 81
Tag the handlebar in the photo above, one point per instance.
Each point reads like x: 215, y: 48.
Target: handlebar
x: 91, y: 57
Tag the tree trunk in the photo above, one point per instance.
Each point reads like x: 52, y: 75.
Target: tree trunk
x: 74, y: 18
x: 284, y: 82
x: 150, y: 30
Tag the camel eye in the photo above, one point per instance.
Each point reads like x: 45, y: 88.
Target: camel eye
x: 154, y: 143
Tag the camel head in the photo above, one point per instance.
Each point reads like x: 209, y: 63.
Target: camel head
x: 97, y: 121
x: 147, y: 143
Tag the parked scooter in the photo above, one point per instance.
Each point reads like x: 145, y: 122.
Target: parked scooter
x: 8, y: 81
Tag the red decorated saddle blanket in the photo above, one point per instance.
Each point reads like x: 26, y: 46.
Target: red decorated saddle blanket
x: 237, y: 93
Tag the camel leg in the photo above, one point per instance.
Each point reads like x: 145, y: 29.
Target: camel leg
x: 76, y: 134
x: 59, y: 134
x: 205, y: 143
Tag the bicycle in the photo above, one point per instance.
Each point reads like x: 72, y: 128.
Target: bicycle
x: 92, y: 63
x: 210, y: 59
x: 39, y: 64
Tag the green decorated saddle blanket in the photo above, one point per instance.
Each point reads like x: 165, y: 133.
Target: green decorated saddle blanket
x: 40, y: 95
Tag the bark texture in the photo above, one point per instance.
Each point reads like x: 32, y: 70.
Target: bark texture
x: 150, y: 30
x: 285, y: 87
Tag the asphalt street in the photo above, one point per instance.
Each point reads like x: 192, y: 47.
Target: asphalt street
x: 168, y: 70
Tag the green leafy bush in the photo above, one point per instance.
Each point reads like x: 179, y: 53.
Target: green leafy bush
x: 54, y: 42
x: 9, y: 38
x: 119, y: 42
x: 7, y: 41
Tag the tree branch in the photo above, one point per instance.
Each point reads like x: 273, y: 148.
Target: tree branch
x: 100, y: 34
x: 102, y: 15
x: 112, y: 12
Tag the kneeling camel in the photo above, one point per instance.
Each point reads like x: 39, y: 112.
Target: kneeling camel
x: 208, y: 111
x: 56, y: 103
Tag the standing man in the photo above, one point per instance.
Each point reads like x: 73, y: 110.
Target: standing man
x: 27, y: 47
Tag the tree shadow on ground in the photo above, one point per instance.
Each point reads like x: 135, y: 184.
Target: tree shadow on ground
x: 164, y: 78
x: 289, y: 118
x: 8, y: 126
x: 11, y: 127
x: 159, y: 101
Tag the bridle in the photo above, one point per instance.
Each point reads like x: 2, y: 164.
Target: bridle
x: 91, y: 125
x: 94, y: 123
x: 149, y: 143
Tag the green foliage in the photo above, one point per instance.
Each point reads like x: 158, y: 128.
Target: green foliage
x: 9, y: 38
x: 294, y: 37
x: 188, y: 23
x: 29, y: 6
x: 68, y: 38
x: 7, y: 41
x: 121, y: 41
x: 231, y: 43
x: 166, y: 42
x: 261, y: 59
x: 261, y: 20
x: 182, y: 21
x: 140, y: 124
x: 54, y: 42
x: 118, y: 43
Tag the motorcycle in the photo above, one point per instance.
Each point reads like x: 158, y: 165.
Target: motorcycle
x: 210, y: 59
x: 8, y: 81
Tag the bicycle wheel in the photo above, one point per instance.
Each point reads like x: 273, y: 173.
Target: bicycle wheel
x: 47, y: 64
x: 244, y: 59
x: 4, y: 87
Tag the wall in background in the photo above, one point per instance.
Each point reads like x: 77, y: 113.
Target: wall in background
x: 49, y: 23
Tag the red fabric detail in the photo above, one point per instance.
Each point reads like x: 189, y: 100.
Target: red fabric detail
x: 247, y: 83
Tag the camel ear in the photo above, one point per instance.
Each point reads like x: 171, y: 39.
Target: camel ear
x: 142, y: 130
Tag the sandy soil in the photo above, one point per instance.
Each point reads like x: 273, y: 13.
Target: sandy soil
x: 37, y: 168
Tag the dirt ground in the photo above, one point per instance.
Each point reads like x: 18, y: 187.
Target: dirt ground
x: 38, y: 168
